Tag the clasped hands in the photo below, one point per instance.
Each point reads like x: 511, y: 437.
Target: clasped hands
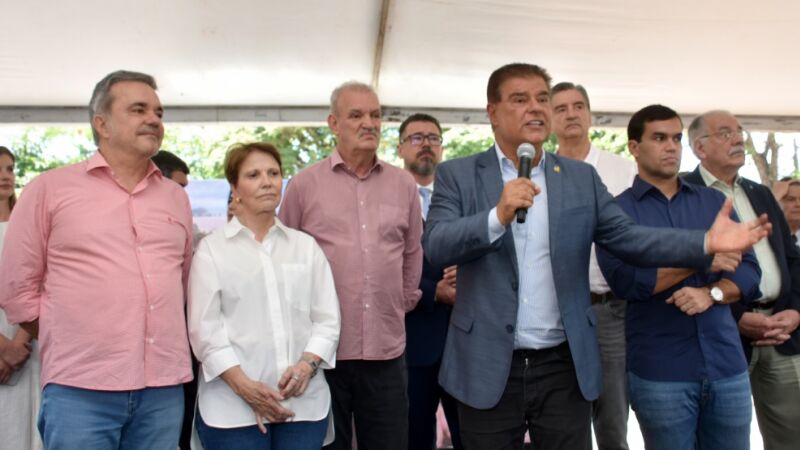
x: 13, y: 355
x: 769, y: 330
x: 266, y: 401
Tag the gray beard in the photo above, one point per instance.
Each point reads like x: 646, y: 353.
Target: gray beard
x: 424, y: 168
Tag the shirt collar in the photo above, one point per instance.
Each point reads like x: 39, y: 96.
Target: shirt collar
x: 97, y: 161
x: 337, y: 161
x: 641, y: 187
x: 709, y: 178
x: 502, y: 157
x: 234, y: 227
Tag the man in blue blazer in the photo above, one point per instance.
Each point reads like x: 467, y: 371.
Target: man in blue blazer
x: 521, y: 351
x: 420, y: 148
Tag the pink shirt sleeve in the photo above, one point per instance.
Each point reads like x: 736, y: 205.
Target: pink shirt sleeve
x: 412, y: 254
x: 22, y: 264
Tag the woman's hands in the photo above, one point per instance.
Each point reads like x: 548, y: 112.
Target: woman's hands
x: 294, y: 381
x: 263, y: 400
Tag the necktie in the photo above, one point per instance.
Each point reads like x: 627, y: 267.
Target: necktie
x: 425, y: 193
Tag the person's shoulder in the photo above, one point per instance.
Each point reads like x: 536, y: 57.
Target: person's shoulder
x: 465, y: 162
x: 616, y: 160
x: 312, y: 170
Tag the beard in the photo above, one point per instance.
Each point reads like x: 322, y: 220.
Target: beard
x: 423, y: 167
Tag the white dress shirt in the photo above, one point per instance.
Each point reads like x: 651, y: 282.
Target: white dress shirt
x: 260, y: 305
x: 617, y: 173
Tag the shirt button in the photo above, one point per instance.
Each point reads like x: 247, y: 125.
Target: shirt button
x: 139, y: 249
x: 150, y: 340
x: 364, y: 227
x: 361, y: 202
x: 366, y: 306
x: 152, y: 307
x: 365, y: 250
x: 524, y: 300
x: 148, y: 275
x: 510, y: 328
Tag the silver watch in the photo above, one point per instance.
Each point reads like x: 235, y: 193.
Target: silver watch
x: 716, y: 294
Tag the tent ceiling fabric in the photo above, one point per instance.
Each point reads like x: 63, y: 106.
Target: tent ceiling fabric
x: 693, y: 56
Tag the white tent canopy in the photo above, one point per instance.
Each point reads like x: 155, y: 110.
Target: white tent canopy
x: 271, y: 61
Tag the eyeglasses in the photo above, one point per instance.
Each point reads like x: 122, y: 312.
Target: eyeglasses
x: 419, y: 138
x: 726, y: 135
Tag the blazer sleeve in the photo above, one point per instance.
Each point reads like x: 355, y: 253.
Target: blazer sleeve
x: 451, y: 236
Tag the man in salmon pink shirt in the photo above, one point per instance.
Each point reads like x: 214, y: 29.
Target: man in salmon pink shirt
x: 95, y: 261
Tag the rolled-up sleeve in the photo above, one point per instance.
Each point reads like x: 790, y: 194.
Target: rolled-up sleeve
x: 207, y: 332
x: 24, y: 259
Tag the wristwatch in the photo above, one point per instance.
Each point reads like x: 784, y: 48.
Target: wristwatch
x: 716, y: 294
x: 311, y: 362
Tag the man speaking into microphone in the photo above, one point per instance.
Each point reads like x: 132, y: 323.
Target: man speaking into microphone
x: 521, y: 351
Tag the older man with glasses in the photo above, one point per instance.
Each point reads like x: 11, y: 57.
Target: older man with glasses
x: 768, y: 327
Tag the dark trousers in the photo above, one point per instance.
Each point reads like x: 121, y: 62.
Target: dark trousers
x: 371, y: 394
x: 541, y: 396
x: 424, y: 394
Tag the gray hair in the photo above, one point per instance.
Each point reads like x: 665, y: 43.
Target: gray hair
x: 698, y: 126
x: 348, y: 86
x: 101, y: 97
x: 569, y: 86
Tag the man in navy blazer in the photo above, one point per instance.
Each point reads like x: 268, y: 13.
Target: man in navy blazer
x: 768, y: 326
x: 420, y: 148
x: 521, y: 351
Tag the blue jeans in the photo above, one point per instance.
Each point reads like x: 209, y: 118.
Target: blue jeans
x: 704, y: 415
x: 82, y: 419
x: 302, y: 435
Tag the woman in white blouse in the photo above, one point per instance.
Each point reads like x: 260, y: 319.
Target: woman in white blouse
x: 263, y: 317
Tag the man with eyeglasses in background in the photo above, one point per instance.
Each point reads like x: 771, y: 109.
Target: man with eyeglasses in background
x: 420, y: 147
x: 768, y: 327
x: 787, y: 192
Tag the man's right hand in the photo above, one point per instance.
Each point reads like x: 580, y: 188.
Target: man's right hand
x: 754, y: 325
x: 15, y: 353
x: 5, y: 372
x: 726, y: 262
x: 517, y: 193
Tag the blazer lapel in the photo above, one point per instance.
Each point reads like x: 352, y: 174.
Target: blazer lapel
x: 555, y: 191
x: 491, y: 183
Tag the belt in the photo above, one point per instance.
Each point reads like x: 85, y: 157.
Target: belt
x: 523, y: 354
x: 602, y: 298
x: 769, y: 304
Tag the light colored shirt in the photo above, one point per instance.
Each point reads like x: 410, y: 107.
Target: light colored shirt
x: 617, y: 173
x: 104, y: 271
x: 539, y: 322
x: 370, y: 229
x: 260, y: 305
x: 770, y: 285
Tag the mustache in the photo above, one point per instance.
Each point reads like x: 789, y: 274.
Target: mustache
x: 426, y: 151
x: 369, y: 132
x: 736, y: 149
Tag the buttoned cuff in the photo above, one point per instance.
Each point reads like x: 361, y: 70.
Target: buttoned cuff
x: 325, y: 349
x: 218, y: 362
x: 496, y: 229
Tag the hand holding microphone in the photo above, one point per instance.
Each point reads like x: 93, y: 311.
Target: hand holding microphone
x: 518, y: 194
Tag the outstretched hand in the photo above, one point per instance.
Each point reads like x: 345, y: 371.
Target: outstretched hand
x: 726, y: 235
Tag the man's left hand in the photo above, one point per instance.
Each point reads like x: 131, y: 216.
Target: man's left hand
x: 691, y: 300
x: 783, y: 325
x: 726, y: 235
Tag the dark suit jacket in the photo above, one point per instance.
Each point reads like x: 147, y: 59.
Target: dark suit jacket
x: 426, y: 325
x: 786, y: 252
x: 480, y: 339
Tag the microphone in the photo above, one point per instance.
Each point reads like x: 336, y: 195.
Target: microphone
x: 525, y: 153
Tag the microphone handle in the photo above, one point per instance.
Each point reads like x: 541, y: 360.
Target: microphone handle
x: 524, y: 171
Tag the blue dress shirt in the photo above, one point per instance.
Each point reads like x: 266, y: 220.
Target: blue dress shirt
x: 538, y: 317
x: 663, y: 343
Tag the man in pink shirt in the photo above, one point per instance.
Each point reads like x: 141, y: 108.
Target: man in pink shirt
x: 365, y: 214
x: 95, y: 261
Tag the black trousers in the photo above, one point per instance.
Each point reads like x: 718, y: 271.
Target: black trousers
x: 541, y: 396
x: 372, y: 395
x: 424, y: 394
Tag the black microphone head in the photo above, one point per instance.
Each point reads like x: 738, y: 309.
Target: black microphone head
x: 526, y: 150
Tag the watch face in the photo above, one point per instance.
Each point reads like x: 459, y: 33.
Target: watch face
x: 716, y: 294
